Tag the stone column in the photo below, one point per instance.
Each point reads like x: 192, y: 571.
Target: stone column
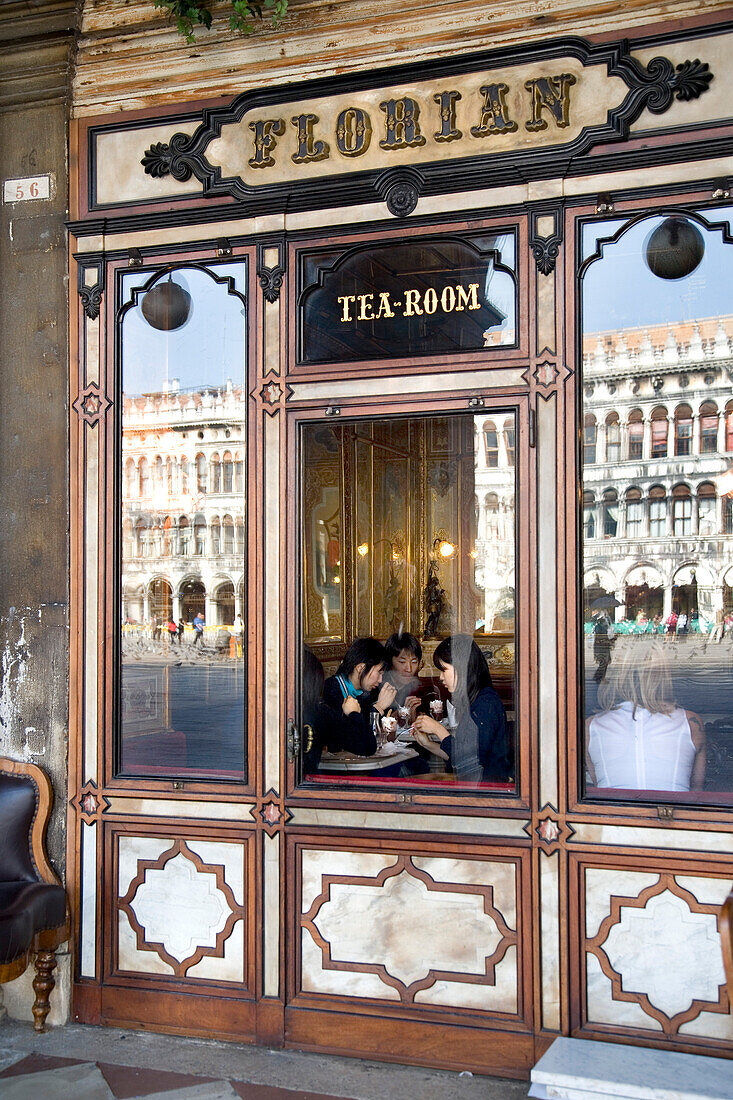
x: 176, y: 601
x: 209, y: 610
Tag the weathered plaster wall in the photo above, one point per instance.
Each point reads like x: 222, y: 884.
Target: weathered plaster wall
x: 318, y: 38
x: 35, y: 49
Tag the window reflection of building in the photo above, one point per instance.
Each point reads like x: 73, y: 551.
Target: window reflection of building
x: 658, y: 436
x: 495, y: 492
x: 183, y: 505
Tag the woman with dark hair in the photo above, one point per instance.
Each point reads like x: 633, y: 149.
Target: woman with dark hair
x: 354, y: 692
x: 404, y: 661
x: 476, y: 745
x: 321, y: 726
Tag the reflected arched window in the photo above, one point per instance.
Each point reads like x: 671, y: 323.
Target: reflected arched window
x: 659, y: 432
x: 227, y: 470
x: 613, y: 438
x: 238, y: 473
x: 200, y: 473
x: 228, y: 530
x: 708, y: 428
x: 681, y: 510
x: 491, y: 503
x: 683, y: 430
x: 158, y: 472
x: 141, y: 538
x: 240, y: 535
x: 130, y: 479
x: 657, y: 512
x: 215, y: 537
x: 729, y: 426
x: 610, y: 514
x: 169, y: 481
x: 215, y: 472
x: 184, y: 536
x: 636, y: 434
x: 589, y: 515
x: 634, y: 514
x: 590, y: 433
x: 510, y: 442
x: 184, y: 475
x: 144, y: 471
x: 707, y: 521
x: 728, y: 515
x: 491, y: 443
x: 199, y: 535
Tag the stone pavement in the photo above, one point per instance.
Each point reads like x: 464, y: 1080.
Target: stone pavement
x: 94, y: 1063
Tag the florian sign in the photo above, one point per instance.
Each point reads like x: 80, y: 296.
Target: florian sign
x: 466, y: 123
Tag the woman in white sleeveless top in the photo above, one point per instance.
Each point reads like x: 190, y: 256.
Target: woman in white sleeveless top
x: 642, y: 740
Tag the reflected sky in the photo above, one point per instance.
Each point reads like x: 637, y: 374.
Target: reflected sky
x: 207, y: 350
x: 620, y: 291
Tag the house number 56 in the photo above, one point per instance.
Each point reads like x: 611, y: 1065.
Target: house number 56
x: 30, y: 187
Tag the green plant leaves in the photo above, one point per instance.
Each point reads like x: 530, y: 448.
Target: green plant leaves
x: 191, y: 13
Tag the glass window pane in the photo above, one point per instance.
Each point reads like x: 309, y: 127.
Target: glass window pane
x: 182, y: 366
x: 408, y: 581
x: 421, y: 296
x: 657, y: 333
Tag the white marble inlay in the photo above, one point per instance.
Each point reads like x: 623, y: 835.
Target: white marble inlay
x: 547, y: 605
x: 434, y: 823
x: 378, y: 925
x: 271, y: 871
x: 408, y: 383
x: 667, y: 952
x: 603, y: 1009
x: 91, y: 555
x: 550, y: 938
x: 272, y: 602
x: 88, y: 937
x: 180, y: 907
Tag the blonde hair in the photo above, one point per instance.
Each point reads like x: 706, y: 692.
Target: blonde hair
x: 639, y: 675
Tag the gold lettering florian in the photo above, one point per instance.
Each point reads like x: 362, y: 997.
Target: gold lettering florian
x: 548, y: 103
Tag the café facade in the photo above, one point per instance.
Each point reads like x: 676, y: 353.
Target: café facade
x: 335, y: 374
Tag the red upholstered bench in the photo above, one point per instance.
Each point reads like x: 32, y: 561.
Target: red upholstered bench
x: 33, y: 909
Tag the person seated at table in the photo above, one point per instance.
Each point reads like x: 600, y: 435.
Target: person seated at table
x: 475, y: 746
x: 641, y: 739
x: 320, y: 724
x: 356, y: 692
x: 404, y: 657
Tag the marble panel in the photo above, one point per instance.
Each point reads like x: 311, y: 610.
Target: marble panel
x: 667, y: 952
x: 91, y: 362
x: 710, y: 1025
x: 92, y: 437
x: 715, y: 104
x: 413, y: 383
x: 502, y: 996
x: 315, y: 978
x: 638, y: 836
x: 434, y: 823
x: 550, y: 939
x: 119, y: 174
x: 271, y: 915
x: 546, y: 309
x: 272, y: 602
x: 88, y: 916
x: 180, y: 807
x: 272, y: 337
x: 601, y: 1008
x: 602, y: 884
x: 412, y: 923
x: 547, y: 602
x: 129, y: 957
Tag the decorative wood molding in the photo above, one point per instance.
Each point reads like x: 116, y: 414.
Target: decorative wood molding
x: 271, y: 812
x: 181, y: 967
x: 549, y: 829
x: 653, y: 87
x: 91, y: 294
x: 547, y: 376
x: 91, y: 404
x: 404, y: 864
x: 545, y: 250
x: 89, y: 804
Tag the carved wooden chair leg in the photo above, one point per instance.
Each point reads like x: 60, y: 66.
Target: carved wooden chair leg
x: 43, y: 984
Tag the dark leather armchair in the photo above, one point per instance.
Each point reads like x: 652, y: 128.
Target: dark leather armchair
x: 726, y: 937
x: 33, y: 909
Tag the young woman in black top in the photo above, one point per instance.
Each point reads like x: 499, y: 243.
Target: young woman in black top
x: 357, y: 694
